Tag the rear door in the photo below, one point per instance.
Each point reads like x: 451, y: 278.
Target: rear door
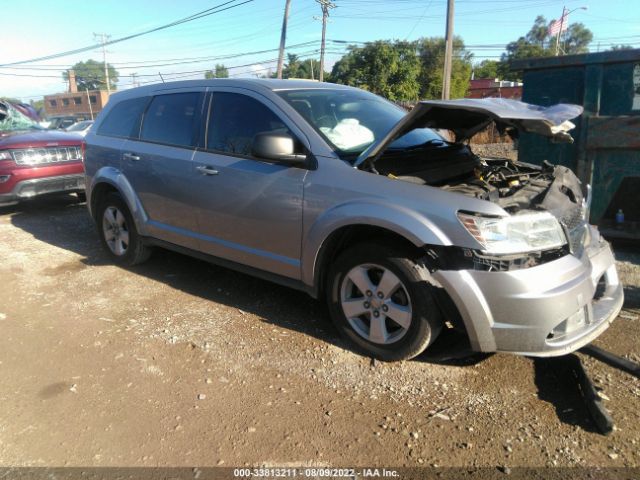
x: 249, y: 209
x: 158, y: 164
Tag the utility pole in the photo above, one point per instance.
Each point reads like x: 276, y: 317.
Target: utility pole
x: 448, y: 53
x: 326, y: 5
x: 89, y: 102
x: 564, y: 9
x: 283, y: 38
x: 103, y: 40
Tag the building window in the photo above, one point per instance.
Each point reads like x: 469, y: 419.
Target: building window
x: 92, y: 98
x: 65, y: 102
x: 77, y: 100
x: 53, y: 103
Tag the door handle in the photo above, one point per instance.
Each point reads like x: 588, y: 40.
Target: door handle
x: 130, y: 156
x: 206, y: 170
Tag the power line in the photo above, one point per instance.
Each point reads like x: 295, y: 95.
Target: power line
x: 195, y: 16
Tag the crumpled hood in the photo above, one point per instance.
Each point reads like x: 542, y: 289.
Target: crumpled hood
x: 468, y: 116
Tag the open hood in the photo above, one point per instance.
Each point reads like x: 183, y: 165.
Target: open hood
x: 468, y: 116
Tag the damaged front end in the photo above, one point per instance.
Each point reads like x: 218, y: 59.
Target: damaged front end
x: 530, y: 194
x: 543, y: 282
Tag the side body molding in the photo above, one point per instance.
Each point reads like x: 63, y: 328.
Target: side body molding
x: 407, y: 223
x: 116, y: 179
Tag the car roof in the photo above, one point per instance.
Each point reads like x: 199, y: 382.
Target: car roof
x: 250, y: 83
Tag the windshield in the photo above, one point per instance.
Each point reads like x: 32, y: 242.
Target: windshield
x: 12, y: 120
x: 351, y: 120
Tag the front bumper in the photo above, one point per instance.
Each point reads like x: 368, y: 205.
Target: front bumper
x: 40, y: 186
x: 547, y: 310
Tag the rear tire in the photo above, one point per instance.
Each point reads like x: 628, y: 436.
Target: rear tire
x: 118, y: 232
x: 379, y: 300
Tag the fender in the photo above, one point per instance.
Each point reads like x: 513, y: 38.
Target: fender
x: 116, y: 179
x: 408, y: 223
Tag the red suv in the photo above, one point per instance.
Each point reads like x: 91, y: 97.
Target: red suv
x: 35, y: 161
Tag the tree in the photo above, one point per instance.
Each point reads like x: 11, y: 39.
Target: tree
x: 577, y: 39
x: 38, y: 105
x: 486, y: 69
x: 220, y: 72
x: 538, y: 43
x: 387, y: 68
x: 431, y: 52
x: 621, y: 47
x: 295, y: 68
x: 90, y: 75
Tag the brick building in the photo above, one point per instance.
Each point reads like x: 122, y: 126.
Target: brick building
x: 494, y: 88
x: 77, y: 103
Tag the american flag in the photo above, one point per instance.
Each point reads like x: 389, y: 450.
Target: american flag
x: 557, y: 26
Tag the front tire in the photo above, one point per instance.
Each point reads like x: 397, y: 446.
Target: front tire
x: 118, y: 232
x: 379, y: 300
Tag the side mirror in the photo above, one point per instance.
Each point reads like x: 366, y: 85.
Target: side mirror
x: 276, y: 146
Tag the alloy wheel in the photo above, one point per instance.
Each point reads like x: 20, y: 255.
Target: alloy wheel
x: 376, y: 303
x: 115, y: 230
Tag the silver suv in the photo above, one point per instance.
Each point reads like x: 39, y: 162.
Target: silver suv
x: 337, y: 192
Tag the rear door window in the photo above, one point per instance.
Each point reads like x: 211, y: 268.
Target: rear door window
x: 172, y: 119
x: 234, y: 121
x: 124, y: 119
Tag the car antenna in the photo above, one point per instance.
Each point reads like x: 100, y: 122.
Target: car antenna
x: 161, y: 77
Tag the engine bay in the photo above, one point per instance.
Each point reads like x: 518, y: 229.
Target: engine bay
x: 455, y: 168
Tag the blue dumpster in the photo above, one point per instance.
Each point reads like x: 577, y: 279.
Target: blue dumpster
x: 606, y: 152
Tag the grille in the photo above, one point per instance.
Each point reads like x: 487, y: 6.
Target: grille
x: 575, y: 223
x: 48, y: 155
x: 573, y: 218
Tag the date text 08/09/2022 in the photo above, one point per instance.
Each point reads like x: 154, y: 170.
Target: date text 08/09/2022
x: 314, y: 472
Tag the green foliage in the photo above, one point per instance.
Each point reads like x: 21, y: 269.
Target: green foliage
x: 486, y: 69
x: 296, y: 68
x: 220, y: 71
x: 387, y: 68
x: 38, y: 105
x: 431, y: 52
x: 576, y: 39
x: 538, y: 43
x: 400, y: 70
x: 90, y: 75
x: 621, y: 47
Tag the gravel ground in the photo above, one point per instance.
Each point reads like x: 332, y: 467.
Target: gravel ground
x: 178, y: 362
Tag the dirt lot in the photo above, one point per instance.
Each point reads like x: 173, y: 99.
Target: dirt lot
x: 178, y: 362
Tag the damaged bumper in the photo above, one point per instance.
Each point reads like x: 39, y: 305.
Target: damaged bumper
x: 548, y: 310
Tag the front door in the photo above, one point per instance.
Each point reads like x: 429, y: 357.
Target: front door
x: 249, y: 210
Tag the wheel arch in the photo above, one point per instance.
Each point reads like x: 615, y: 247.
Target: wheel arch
x: 347, y: 225
x: 109, y: 179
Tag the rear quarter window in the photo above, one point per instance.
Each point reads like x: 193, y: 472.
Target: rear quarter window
x: 124, y: 119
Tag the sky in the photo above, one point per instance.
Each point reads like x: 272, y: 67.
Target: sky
x: 245, y: 36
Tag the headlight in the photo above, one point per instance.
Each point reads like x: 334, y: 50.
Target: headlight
x: 515, y: 234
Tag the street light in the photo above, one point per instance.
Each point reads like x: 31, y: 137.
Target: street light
x: 565, y: 14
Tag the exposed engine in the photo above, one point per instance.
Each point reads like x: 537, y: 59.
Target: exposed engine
x: 513, y: 185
